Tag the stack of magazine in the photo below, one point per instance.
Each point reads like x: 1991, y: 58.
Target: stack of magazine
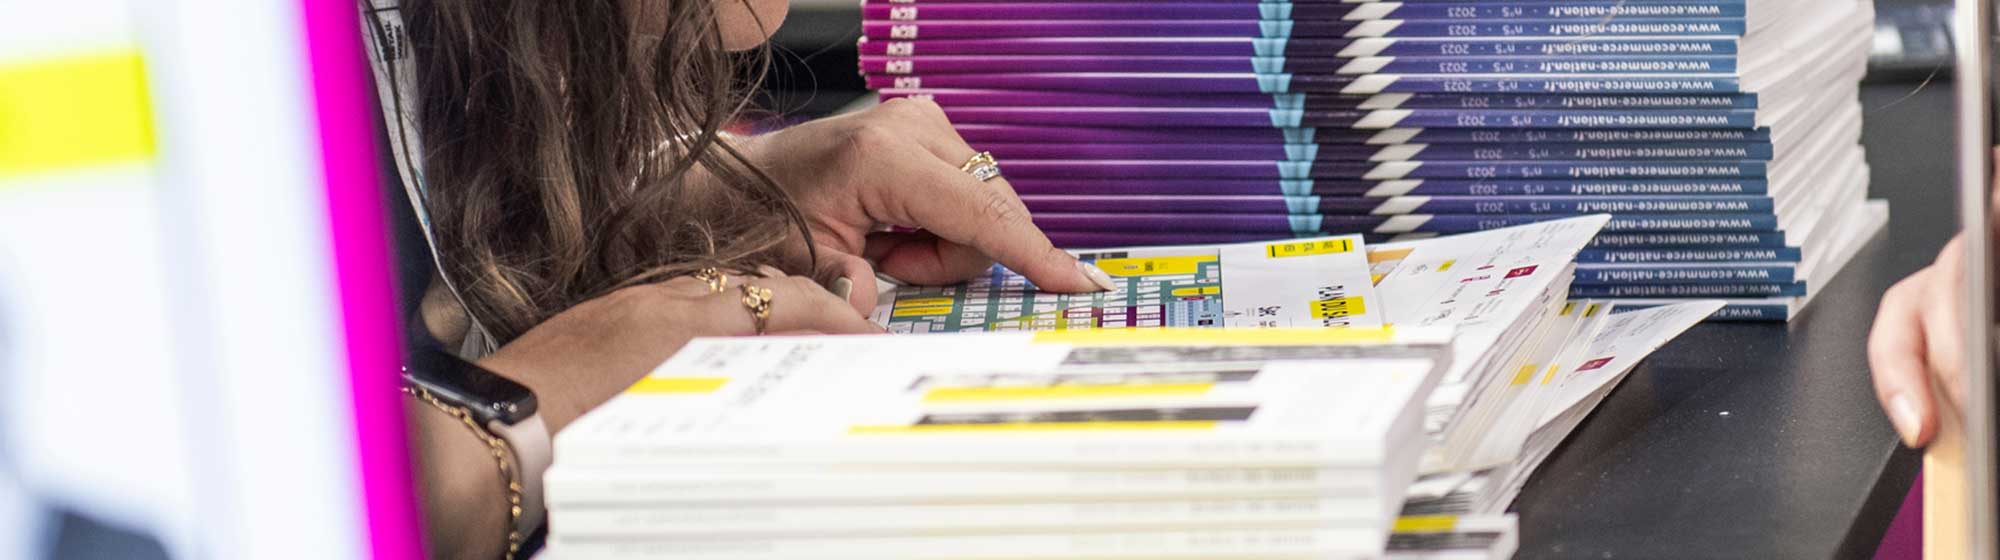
x: 1721, y: 134
x: 1153, y: 443
x: 775, y: 446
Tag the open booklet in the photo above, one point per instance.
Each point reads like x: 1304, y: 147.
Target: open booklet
x: 1495, y: 289
x: 1321, y: 282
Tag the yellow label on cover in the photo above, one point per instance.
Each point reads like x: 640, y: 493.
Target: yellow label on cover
x: 1217, y: 337
x: 74, y: 112
x: 1551, y: 376
x: 1339, y: 307
x: 1425, y: 523
x: 1567, y: 307
x: 1446, y: 266
x: 1153, y: 266
x: 923, y: 302
x: 1308, y: 248
x: 921, y: 311
x: 1035, y: 427
x: 1590, y: 311
x: 677, y: 385
x: 1526, y: 374
x: 990, y: 394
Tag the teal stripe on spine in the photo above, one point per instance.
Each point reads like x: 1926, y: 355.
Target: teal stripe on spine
x: 1305, y: 224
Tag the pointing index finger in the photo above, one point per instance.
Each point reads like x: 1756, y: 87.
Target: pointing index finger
x: 988, y: 216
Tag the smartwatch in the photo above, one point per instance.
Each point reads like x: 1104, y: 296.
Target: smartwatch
x: 503, y: 407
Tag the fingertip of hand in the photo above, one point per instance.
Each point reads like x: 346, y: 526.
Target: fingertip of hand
x: 1908, y: 420
x: 843, y: 288
x: 1096, y: 276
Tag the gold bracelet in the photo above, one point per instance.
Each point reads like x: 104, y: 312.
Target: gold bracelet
x: 501, y: 453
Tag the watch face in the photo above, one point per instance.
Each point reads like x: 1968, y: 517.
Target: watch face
x: 489, y: 396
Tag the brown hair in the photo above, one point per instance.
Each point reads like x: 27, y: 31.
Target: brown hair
x: 569, y: 147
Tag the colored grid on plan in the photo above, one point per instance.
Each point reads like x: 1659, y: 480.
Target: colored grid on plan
x: 1184, y: 291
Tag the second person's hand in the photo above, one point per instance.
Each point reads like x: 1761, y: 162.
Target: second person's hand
x: 1916, y: 340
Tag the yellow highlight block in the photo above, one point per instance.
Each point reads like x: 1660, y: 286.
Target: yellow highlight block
x: 1217, y: 337
x: 677, y: 385
x: 1425, y: 523
x: 1446, y: 266
x: 1339, y: 307
x: 1035, y: 427
x: 1526, y: 374
x: 1551, y: 375
x: 991, y: 394
x: 1154, y: 266
x: 1193, y: 291
x: 921, y: 311
x: 1308, y: 248
x: 1376, y: 256
x: 1590, y: 311
x: 75, y: 112
x: 1567, y: 307
x: 923, y: 302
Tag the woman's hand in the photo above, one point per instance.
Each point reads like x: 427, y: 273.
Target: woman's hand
x: 584, y: 356
x: 578, y: 360
x: 897, y: 164
x: 1918, y: 337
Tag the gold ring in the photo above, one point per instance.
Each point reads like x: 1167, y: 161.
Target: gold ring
x: 716, y: 280
x: 982, y: 166
x: 758, y: 301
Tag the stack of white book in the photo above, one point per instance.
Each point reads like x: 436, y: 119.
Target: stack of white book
x: 1461, y: 367
x: 1287, y: 443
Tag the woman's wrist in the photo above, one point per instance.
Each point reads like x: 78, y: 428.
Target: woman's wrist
x: 465, y: 499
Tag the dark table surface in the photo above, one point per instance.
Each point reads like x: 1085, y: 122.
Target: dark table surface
x: 1762, y: 440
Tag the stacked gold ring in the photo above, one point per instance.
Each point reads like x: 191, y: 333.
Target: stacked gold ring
x: 758, y: 301
x: 716, y: 280
x: 982, y: 166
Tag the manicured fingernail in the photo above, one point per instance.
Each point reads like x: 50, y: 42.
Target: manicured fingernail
x: 1903, y: 413
x: 1097, y: 276
x: 843, y: 287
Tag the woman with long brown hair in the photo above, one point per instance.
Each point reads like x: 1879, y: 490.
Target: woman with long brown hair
x: 577, y: 184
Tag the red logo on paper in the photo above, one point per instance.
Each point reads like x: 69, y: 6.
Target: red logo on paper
x: 1519, y: 272
x: 1594, y: 364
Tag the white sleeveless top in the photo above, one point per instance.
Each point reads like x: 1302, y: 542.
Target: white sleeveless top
x: 390, y: 58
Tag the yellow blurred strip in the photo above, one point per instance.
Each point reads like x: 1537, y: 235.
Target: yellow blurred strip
x: 1526, y: 374
x: 1551, y: 375
x: 1446, y: 266
x: 1375, y: 256
x: 1425, y: 523
x: 677, y: 385
x: 1219, y: 337
x: 1036, y: 427
x: 74, y: 112
x: 989, y: 394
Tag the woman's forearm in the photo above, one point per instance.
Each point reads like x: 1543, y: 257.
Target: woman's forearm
x: 464, y: 499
